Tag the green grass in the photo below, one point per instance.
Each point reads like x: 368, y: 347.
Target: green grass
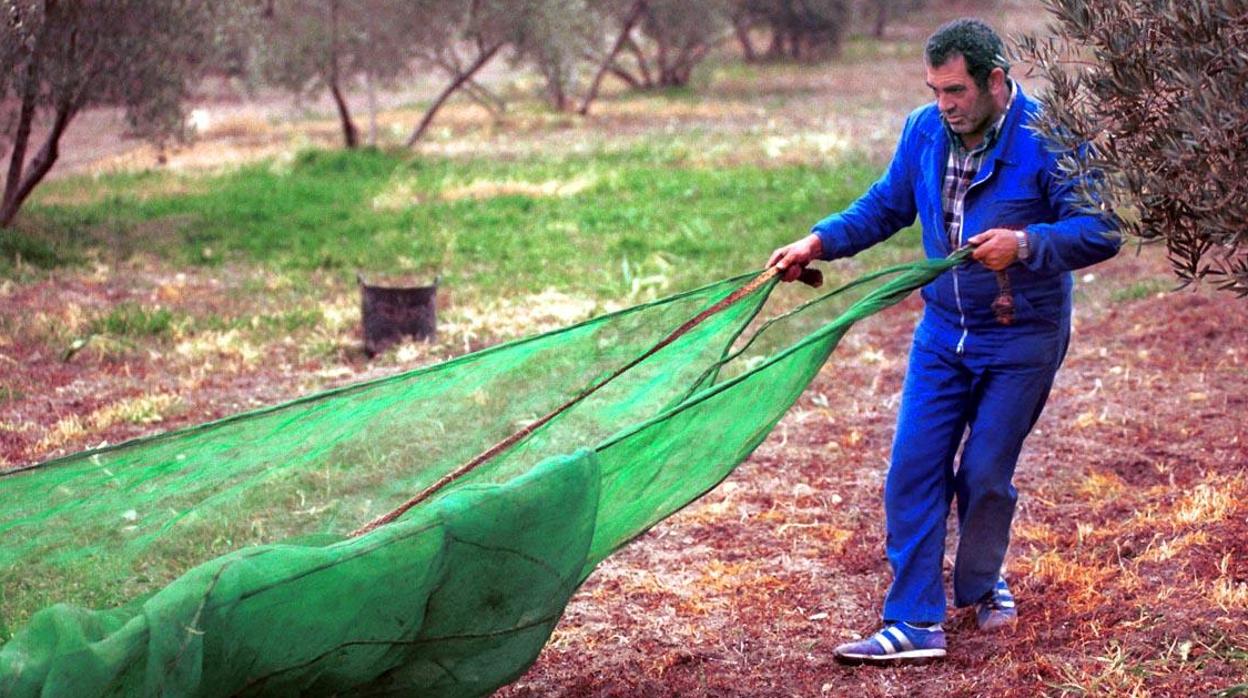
x: 38, y: 250
x: 284, y: 322
x: 1142, y: 289
x: 131, y: 320
x: 640, y: 210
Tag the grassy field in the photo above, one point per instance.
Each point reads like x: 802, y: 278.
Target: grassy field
x: 282, y: 241
x: 585, y: 223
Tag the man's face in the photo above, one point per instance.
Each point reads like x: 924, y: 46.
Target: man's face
x: 967, y: 109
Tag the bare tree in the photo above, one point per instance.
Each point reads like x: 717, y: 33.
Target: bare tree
x: 800, y: 29
x: 629, y: 15
x: 62, y: 57
x: 884, y: 11
x: 744, y: 22
x: 460, y: 37
x: 556, y: 45
x: 672, y: 37
x: 310, y: 45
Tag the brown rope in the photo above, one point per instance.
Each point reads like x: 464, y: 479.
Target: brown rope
x: 809, y: 276
x: 1003, y: 306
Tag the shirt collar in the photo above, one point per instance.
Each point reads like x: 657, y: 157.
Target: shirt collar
x: 990, y: 136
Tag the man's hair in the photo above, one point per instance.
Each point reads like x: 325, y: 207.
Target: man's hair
x: 975, y: 41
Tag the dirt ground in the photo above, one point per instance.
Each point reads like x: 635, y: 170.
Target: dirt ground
x: 1129, y: 558
x: 1130, y: 552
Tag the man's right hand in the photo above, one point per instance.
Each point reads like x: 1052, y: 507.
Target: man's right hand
x: 793, y: 258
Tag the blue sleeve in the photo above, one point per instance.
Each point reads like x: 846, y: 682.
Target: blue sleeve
x: 1077, y: 238
x: 887, y: 207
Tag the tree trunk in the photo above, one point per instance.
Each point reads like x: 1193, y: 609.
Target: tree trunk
x: 689, y: 59
x: 638, y: 8
x: 492, y: 103
x: 350, y: 134
x: 370, y: 86
x: 742, y: 28
x: 14, y: 197
x: 665, y: 70
x: 775, y: 51
x: 881, y: 18
x: 457, y: 83
x: 556, y: 90
x: 626, y: 76
x: 21, y: 138
x: 680, y: 69
x: 647, y: 78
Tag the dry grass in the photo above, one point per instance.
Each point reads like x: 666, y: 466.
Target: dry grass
x: 467, y: 325
x: 404, y: 193
x: 488, y: 189
x: 223, y: 344
x: 144, y: 409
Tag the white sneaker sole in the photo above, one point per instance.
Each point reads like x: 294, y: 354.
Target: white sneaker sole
x: 906, y: 657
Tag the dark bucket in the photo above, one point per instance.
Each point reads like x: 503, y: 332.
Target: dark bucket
x: 393, y: 312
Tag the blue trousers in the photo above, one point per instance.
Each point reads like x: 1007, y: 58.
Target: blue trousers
x: 991, y: 393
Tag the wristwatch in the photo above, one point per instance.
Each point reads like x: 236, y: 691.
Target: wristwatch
x: 1024, y: 245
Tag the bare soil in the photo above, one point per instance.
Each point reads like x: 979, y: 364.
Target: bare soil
x: 1130, y: 551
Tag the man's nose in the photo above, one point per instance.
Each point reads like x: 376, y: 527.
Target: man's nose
x: 944, y: 103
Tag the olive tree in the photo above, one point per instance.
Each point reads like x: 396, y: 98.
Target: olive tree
x: 312, y: 45
x: 62, y: 57
x: 579, y: 38
x: 660, y: 42
x: 883, y: 11
x: 306, y: 46
x: 459, y: 38
x: 612, y: 21
x: 800, y: 29
x: 557, y: 45
x: 645, y: 43
x: 1157, y: 88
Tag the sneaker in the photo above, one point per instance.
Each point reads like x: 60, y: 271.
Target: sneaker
x: 895, y: 643
x: 996, y: 610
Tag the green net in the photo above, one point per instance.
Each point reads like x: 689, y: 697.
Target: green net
x: 218, y: 560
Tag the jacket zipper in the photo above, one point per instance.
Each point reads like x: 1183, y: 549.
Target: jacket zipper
x: 957, y: 292
x: 957, y: 295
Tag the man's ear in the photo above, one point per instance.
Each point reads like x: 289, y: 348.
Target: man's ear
x: 996, y: 81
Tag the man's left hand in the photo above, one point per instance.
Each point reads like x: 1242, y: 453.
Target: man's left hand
x: 996, y: 248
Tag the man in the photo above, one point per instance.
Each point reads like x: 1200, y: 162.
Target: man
x: 973, y: 173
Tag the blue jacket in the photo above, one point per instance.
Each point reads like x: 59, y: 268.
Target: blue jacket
x: 1017, y: 187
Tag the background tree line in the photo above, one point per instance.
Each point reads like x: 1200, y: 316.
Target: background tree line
x: 62, y: 57
x: 1156, y: 86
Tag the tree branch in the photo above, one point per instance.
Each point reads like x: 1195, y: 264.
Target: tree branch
x: 40, y: 165
x: 350, y: 133
x: 457, y: 83
x: 639, y: 7
x: 17, y: 159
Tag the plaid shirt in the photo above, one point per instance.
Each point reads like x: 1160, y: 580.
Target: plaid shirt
x: 961, y: 168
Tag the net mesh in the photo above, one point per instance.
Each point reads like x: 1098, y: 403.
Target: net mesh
x: 217, y: 560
